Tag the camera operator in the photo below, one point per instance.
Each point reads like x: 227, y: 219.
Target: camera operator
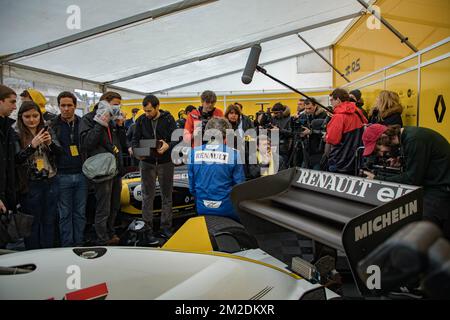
x: 197, y: 119
x: 426, y: 159
x: 281, y: 121
x: 263, y: 120
x: 313, y: 135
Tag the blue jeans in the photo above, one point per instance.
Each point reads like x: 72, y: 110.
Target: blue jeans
x: 40, y: 202
x: 73, y: 190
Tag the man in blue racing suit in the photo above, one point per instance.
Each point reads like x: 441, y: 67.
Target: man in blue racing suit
x: 214, y: 168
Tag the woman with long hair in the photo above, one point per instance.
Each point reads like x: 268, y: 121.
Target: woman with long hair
x: 238, y: 121
x: 37, y: 147
x: 387, y: 109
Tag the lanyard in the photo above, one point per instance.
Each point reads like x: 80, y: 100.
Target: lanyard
x: 72, y: 132
x: 109, y: 135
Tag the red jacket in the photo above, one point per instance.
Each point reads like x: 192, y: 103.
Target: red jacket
x: 344, y: 120
x: 192, y: 120
x: 344, y: 132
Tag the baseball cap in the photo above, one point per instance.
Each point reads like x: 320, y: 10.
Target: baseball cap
x: 370, y: 137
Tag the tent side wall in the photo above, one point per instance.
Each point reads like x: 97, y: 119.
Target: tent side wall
x: 375, y: 60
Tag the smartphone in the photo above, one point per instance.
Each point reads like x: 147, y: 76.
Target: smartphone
x: 45, y: 128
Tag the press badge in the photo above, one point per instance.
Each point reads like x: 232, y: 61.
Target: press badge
x: 40, y: 163
x: 74, y: 151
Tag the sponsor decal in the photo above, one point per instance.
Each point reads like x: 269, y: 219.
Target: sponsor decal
x: 385, y: 220
x: 137, y: 193
x: 373, y: 191
x: 97, y: 292
x: 211, y: 156
x: 332, y: 182
x: 212, y: 204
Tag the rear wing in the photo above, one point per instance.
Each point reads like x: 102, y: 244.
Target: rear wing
x: 344, y: 212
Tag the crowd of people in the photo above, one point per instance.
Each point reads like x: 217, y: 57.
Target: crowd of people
x: 49, y: 162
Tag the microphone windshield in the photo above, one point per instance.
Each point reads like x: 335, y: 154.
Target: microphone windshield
x: 252, y: 62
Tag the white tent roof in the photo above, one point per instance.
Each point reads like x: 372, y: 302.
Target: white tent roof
x: 189, y: 42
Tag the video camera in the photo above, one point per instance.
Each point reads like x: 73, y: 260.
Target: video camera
x: 300, y: 124
x: 381, y: 166
x: 264, y: 119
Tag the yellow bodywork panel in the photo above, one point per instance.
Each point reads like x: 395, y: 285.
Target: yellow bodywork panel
x: 193, y: 236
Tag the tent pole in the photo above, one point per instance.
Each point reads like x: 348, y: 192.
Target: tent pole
x: 323, y: 58
x: 234, y: 49
x: 391, y: 28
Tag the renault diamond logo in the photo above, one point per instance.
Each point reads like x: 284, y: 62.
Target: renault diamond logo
x: 440, y: 112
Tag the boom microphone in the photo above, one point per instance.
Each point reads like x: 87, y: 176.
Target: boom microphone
x: 252, y: 62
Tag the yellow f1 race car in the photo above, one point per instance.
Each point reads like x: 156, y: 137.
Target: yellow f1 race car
x: 131, y: 197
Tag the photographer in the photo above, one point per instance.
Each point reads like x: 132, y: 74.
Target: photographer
x: 101, y: 131
x: 425, y: 155
x: 197, y: 119
x: 37, y: 149
x: 314, y: 143
x: 282, y: 121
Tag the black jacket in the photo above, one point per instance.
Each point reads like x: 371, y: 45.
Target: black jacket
x: 284, y: 125
x: 26, y: 170
x: 393, y: 119
x: 246, y: 123
x: 7, y: 164
x: 426, y: 161
x: 344, y: 133
x: 164, y: 128
x: 94, y: 139
x: 314, y: 142
x: 66, y: 163
x: 130, y: 134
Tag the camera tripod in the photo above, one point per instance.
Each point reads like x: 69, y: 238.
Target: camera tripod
x: 299, y: 142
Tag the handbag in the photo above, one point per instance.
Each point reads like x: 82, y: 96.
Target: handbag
x: 14, y: 226
x: 100, y: 167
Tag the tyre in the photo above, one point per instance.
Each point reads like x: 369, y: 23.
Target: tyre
x: 228, y: 235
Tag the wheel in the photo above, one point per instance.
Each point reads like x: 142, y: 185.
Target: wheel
x: 228, y: 235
